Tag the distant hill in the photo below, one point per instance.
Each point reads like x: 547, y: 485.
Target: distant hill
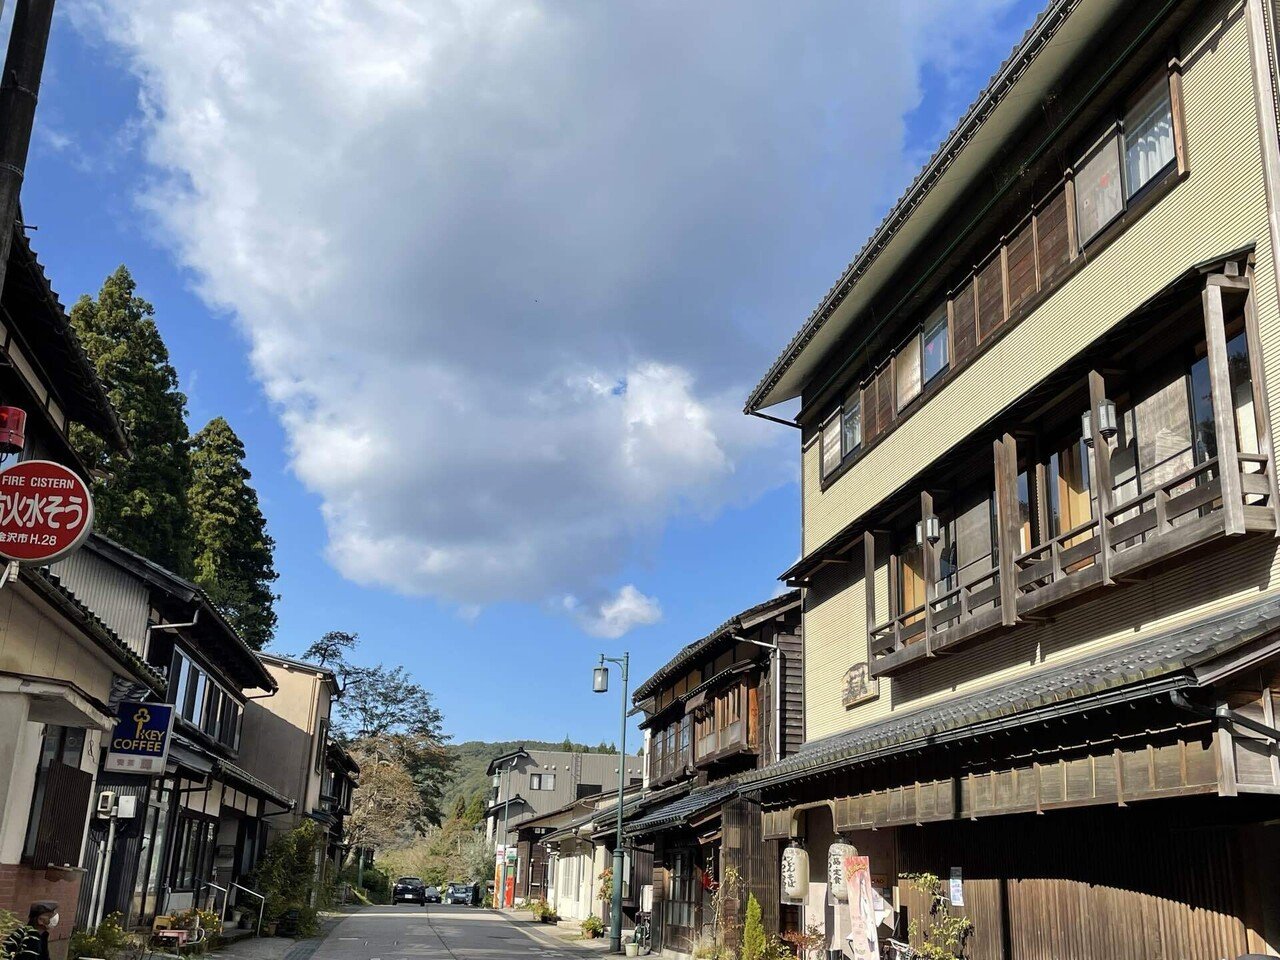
x: 469, y: 777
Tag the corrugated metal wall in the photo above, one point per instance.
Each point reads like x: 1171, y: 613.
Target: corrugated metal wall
x: 119, y: 600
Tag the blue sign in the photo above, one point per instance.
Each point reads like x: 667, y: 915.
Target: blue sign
x: 140, y: 741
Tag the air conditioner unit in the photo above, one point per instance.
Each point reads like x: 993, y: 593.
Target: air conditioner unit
x: 106, y: 802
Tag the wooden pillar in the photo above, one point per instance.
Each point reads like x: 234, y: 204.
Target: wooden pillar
x: 869, y: 579
x: 1005, y: 451
x: 1261, y: 408
x: 1101, y: 471
x: 929, y: 563
x: 1224, y: 420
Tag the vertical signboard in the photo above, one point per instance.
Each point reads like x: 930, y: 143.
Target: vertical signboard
x: 140, y: 740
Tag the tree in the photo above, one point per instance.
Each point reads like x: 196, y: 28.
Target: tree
x: 141, y: 500
x: 475, y: 809
x: 753, y: 939
x: 386, y: 802
x: 234, y: 554
x: 332, y: 649
x: 459, y: 809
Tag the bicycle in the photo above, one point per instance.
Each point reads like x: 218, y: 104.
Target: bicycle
x: 642, y: 935
x: 891, y: 949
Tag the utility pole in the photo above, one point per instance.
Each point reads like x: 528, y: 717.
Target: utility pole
x: 506, y: 812
x: 19, y: 89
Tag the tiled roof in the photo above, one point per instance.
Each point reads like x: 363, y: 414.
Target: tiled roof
x: 1024, y: 53
x: 1142, y: 668
x: 693, y: 650
x: 679, y: 811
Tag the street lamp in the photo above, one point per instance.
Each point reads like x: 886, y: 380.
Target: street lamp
x: 600, y: 684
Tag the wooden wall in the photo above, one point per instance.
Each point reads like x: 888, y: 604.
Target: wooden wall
x: 1157, y: 881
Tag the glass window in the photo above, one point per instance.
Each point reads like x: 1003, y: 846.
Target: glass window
x: 322, y: 743
x: 548, y: 781
x: 936, y: 347
x: 830, y: 442
x: 1099, y: 192
x: 1148, y: 137
x: 196, y: 682
x: 178, y: 679
x: 906, y: 371
x: 1204, y: 430
x: 535, y: 781
x: 1070, y: 489
x: 851, y: 430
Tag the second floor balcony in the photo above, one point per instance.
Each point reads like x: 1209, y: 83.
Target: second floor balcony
x: 1153, y: 444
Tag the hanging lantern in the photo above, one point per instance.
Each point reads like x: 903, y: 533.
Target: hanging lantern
x: 835, y: 870
x: 795, y: 873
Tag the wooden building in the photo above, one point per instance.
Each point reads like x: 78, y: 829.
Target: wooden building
x: 725, y: 705
x: 1039, y: 553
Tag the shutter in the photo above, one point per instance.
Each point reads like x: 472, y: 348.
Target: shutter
x: 870, y: 422
x: 62, y: 817
x: 964, y: 335
x: 990, y: 282
x: 907, y: 371
x: 884, y: 398
x: 1022, y: 267
x: 1051, y: 236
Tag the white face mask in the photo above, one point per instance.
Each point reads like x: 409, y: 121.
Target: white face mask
x: 53, y: 921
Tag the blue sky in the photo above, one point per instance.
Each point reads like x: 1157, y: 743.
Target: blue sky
x: 483, y: 288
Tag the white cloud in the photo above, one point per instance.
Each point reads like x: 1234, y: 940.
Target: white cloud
x: 509, y: 267
x: 616, y: 615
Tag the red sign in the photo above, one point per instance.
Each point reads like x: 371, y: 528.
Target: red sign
x: 45, y: 511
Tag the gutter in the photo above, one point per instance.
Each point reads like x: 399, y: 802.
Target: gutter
x: 1223, y: 712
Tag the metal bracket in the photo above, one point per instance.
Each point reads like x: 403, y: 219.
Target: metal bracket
x: 10, y: 574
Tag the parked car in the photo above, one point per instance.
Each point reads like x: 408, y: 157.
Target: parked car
x: 408, y: 890
x: 432, y: 895
x: 458, y: 893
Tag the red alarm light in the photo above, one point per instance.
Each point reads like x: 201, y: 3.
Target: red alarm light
x: 13, y: 426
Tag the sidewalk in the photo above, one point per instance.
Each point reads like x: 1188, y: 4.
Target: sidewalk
x: 282, y: 948
x: 561, y: 937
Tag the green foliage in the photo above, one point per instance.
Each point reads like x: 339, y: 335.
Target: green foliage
x: 9, y: 922
x: 286, y: 875
x: 753, y: 939
x: 233, y: 551
x: 943, y: 936
x: 454, y: 852
x: 331, y: 650
x: 543, y: 911
x: 141, y: 500
x: 110, y: 942
x: 606, y: 885
x: 593, y: 926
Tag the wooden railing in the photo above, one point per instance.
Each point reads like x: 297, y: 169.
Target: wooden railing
x: 1179, y: 513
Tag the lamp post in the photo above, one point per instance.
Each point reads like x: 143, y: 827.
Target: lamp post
x: 600, y: 684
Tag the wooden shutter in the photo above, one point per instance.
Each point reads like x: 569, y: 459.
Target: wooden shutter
x: 1022, y: 267
x: 964, y: 334
x: 870, y: 422
x: 990, y: 282
x: 884, y: 398
x: 1054, y: 247
x: 62, y: 817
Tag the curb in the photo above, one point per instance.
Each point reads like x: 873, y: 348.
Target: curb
x: 548, y: 940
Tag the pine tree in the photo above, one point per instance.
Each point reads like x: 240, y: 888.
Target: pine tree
x: 141, y: 500
x: 233, y: 551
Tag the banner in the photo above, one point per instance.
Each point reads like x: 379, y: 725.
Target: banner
x: 864, y: 938
x: 140, y: 741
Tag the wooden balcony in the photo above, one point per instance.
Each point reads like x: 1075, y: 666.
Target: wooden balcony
x: 1204, y: 505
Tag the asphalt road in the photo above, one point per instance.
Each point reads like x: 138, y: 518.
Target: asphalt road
x: 435, y: 932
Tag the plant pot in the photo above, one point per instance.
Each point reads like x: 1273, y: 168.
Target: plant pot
x: 632, y: 949
x: 269, y: 928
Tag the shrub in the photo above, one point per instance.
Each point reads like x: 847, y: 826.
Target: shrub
x: 286, y: 875
x: 753, y: 940
x: 944, y: 936
x: 109, y: 942
x: 593, y: 926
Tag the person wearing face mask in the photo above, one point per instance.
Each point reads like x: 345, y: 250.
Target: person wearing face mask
x: 31, y: 942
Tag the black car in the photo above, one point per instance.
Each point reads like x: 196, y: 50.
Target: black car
x: 458, y: 893
x: 409, y: 890
x: 432, y: 895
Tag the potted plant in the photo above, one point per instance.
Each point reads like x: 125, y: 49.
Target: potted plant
x: 592, y: 927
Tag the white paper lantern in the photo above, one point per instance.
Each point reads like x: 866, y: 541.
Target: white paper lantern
x: 835, y: 870
x: 795, y: 874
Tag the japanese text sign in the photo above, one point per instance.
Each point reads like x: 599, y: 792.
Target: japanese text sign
x: 45, y: 511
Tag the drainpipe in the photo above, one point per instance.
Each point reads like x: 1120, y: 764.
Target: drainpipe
x: 1223, y: 712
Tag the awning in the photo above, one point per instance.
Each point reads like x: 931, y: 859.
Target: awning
x: 58, y: 702
x: 242, y: 779
x: 681, y: 812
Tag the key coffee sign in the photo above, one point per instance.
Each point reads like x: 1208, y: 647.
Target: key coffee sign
x: 45, y: 512
x: 140, y: 741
